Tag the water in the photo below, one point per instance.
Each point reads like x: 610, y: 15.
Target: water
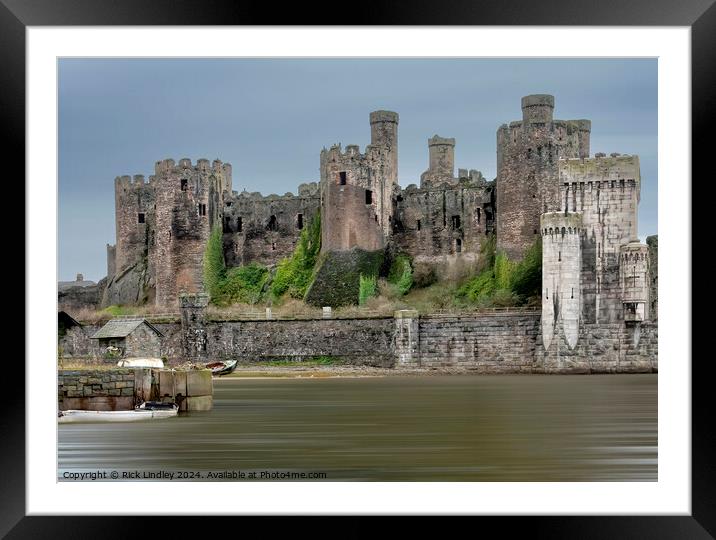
x: 436, y: 428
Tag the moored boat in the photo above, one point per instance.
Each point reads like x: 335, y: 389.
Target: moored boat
x: 146, y: 411
x: 222, y: 367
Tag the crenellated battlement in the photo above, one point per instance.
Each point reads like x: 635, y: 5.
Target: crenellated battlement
x: 561, y: 223
x: 169, y: 166
x: 620, y: 168
x: 308, y: 190
x: 436, y: 140
x: 129, y: 182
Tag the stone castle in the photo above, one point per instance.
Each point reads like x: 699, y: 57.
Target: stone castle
x: 595, y: 270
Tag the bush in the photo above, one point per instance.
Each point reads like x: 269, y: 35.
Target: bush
x: 243, y: 284
x: 294, y: 274
x: 527, y: 275
x: 367, y: 288
x: 505, y: 283
x: 401, y: 274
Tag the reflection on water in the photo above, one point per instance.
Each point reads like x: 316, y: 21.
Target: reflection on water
x: 440, y: 428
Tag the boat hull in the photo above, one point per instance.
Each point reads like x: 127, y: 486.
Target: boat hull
x: 75, y: 416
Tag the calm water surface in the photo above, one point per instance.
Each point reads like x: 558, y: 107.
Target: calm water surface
x: 439, y: 428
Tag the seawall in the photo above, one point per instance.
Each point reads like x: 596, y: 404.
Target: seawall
x: 507, y: 341
x: 121, y: 389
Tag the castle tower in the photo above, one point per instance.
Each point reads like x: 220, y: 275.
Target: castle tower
x: 634, y: 279
x: 384, y: 132
x: 357, y: 189
x: 527, y: 171
x: 189, y: 202
x: 134, y: 207
x: 442, y: 161
x: 561, y: 267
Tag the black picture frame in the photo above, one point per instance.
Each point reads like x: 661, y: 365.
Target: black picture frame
x: 699, y: 15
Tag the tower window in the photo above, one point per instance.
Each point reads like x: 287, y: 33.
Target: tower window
x: 368, y: 196
x: 273, y: 245
x: 202, y: 209
x: 418, y: 224
x: 272, y: 224
x: 239, y: 224
x: 455, y: 222
x: 227, y: 226
x: 183, y: 184
x: 140, y: 217
x: 478, y: 215
x: 299, y: 221
x: 559, y: 257
x: 458, y: 245
x: 342, y: 176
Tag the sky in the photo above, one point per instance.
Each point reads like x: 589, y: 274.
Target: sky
x: 270, y: 118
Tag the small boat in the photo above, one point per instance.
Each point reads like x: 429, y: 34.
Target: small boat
x: 222, y: 367
x: 148, y: 410
x: 141, y: 362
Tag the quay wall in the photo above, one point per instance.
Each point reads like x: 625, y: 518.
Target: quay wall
x: 121, y: 389
x: 483, y: 342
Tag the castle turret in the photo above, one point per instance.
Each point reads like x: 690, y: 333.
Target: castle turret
x: 634, y: 280
x: 537, y: 108
x: 561, y: 267
x: 442, y: 161
x: 384, y: 132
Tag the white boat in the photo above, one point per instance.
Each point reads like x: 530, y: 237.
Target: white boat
x: 141, y: 362
x: 146, y: 411
x: 222, y: 367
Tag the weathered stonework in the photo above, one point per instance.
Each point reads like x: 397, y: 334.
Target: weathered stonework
x: 124, y: 388
x: 488, y: 342
x: 598, y: 280
x: 528, y: 152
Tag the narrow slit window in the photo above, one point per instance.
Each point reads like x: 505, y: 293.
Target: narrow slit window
x: 478, y: 215
x: 418, y: 224
x: 458, y: 245
x: 455, y: 222
x: 368, y: 196
x: 299, y: 221
x: 140, y: 217
x: 202, y: 209
x: 342, y: 177
x: 239, y: 224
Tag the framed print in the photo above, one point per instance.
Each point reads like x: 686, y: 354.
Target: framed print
x: 270, y: 319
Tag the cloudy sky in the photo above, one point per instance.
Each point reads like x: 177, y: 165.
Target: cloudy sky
x: 270, y: 118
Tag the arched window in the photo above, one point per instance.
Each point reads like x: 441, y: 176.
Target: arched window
x: 272, y: 224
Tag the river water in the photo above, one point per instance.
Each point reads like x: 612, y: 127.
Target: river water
x: 396, y: 428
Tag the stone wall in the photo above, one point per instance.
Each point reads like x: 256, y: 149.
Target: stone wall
x: 653, y: 243
x: 603, y: 348
x: 123, y: 388
x: 266, y: 229
x: 443, y: 227
x: 487, y: 343
x: 356, y: 341
x: 99, y: 390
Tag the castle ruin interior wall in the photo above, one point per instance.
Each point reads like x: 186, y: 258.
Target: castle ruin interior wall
x: 258, y: 229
